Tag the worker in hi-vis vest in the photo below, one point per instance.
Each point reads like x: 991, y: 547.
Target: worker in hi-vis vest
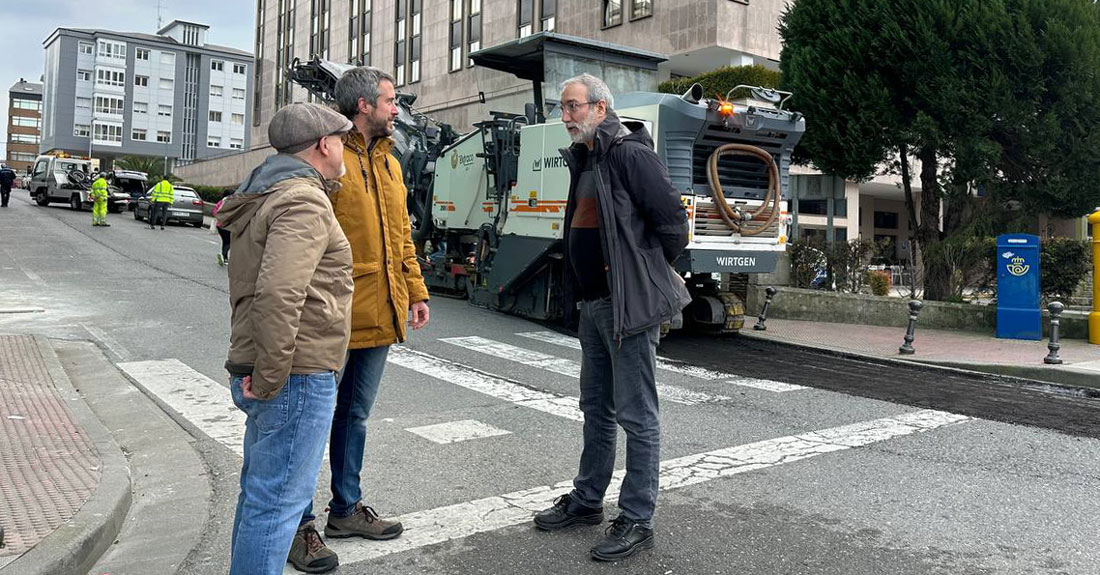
x: 99, y: 201
x: 163, y: 195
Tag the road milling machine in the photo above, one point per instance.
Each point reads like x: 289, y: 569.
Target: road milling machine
x: 488, y: 206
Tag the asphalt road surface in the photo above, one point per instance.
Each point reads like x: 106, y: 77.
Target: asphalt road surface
x: 775, y: 460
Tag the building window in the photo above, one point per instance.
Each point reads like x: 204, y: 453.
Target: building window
x: 22, y: 104
x: 237, y: 119
x: 84, y: 75
x: 473, y: 29
x: 167, y: 84
x: 236, y: 144
x: 257, y: 69
x: 239, y: 69
x: 456, y: 34
x: 213, y: 142
x: 525, y: 11
x: 215, y: 116
x: 142, y: 81
x: 83, y: 103
x: 26, y: 122
x: 612, y: 13
x: 108, y: 132
x: 217, y: 65
x: 549, y: 15
x: 359, y: 32
x: 215, y: 91
x: 886, y: 220
x: 108, y: 105
x: 285, y: 54
x: 138, y: 135
x: 81, y: 130
x: 110, y: 77
x: 238, y: 93
x: 165, y: 111
x: 108, y: 49
x: 141, y: 54
x: 416, y: 41
x: 319, y: 20
x: 24, y: 157
x: 164, y: 137
x: 141, y: 107
x: 23, y: 138
x: 87, y: 48
x: 640, y: 9
x: 400, y: 47
x: 168, y: 59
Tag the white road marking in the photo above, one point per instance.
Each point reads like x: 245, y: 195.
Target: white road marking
x: 455, y: 431
x: 460, y: 520
x: 568, y: 367
x: 488, y: 384
x: 112, y: 344
x: 199, y: 399
x: 672, y: 365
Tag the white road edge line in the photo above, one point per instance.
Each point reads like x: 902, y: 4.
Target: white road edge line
x: 674, y: 366
x: 433, y: 526
x: 568, y: 367
x: 488, y: 384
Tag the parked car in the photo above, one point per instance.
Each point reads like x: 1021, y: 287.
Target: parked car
x: 129, y: 182
x: 187, y: 207
x: 56, y: 179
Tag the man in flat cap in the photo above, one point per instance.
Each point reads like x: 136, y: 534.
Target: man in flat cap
x: 290, y: 288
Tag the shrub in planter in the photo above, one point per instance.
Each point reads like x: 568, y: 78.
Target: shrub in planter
x: 879, y: 282
x: 1064, y: 263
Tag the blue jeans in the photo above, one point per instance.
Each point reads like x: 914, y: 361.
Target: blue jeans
x: 284, y: 441
x: 358, y: 388
x: 618, y: 386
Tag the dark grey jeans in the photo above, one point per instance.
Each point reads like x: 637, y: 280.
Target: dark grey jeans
x: 618, y: 386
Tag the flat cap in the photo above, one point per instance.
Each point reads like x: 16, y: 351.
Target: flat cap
x: 300, y: 125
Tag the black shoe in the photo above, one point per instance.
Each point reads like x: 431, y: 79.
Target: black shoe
x: 624, y: 538
x: 162, y: 227
x: 566, y: 512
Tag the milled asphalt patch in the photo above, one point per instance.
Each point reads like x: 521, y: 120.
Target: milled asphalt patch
x: 75, y: 546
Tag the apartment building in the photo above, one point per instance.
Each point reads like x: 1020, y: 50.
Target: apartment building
x: 24, y: 124
x: 171, y: 94
x: 426, y: 44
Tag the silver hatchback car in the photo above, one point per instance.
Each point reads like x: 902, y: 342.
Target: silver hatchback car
x: 187, y: 207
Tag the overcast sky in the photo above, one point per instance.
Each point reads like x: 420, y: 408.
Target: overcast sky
x: 25, y: 24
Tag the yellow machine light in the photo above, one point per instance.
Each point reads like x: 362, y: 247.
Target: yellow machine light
x: 725, y: 109
x: 782, y: 240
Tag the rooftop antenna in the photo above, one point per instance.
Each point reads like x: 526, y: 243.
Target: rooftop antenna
x: 160, y: 21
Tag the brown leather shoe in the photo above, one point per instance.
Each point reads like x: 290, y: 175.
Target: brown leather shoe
x: 308, y: 552
x: 363, y: 522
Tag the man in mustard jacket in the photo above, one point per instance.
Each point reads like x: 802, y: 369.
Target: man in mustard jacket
x: 389, y: 291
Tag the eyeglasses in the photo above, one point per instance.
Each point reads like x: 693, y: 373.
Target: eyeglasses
x: 572, y: 107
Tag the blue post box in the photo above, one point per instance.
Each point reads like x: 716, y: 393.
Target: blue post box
x: 1018, y: 313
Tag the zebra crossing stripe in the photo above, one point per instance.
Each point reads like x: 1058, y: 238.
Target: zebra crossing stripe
x: 488, y: 384
x: 200, y: 400
x: 449, y: 522
x: 674, y: 366
x: 568, y: 367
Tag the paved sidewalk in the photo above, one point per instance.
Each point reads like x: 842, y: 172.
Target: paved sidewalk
x: 966, y: 350
x: 48, y: 464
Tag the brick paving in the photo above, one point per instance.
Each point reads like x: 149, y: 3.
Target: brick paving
x: 48, y: 465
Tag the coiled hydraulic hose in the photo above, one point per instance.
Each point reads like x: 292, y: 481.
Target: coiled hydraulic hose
x: 736, y: 220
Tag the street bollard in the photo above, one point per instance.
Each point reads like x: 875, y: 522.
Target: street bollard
x: 1056, y: 308
x: 914, y: 310
x: 769, y: 293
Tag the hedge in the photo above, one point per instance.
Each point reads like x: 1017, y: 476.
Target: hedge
x: 717, y: 83
x: 208, y: 193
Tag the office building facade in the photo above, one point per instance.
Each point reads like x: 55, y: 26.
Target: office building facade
x: 24, y: 125
x: 113, y: 94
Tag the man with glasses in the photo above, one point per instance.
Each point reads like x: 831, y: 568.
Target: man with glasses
x: 624, y: 225
x: 290, y: 288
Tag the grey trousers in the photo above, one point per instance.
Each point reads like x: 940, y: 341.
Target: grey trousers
x: 618, y: 386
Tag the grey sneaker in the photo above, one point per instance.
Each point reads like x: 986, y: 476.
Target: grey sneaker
x: 308, y: 552
x: 363, y: 522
